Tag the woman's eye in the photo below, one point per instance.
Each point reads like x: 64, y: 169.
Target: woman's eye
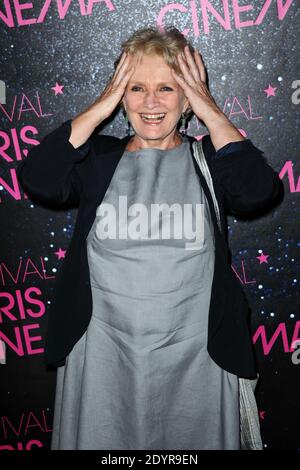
x: 137, y: 88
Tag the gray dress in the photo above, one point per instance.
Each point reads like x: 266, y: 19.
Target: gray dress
x: 141, y: 377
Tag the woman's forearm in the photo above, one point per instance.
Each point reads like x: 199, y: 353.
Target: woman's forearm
x: 83, y: 126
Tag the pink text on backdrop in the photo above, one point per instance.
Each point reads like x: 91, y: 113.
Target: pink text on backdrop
x: 27, y: 269
x: 288, y: 170
x: 22, y: 446
x: 12, y: 306
x: 22, y: 10
x: 22, y: 339
x: 21, y: 428
x: 280, y: 333
x: 207, y: 10
x: 14, y: 9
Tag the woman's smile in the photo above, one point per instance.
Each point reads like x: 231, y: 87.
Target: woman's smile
x: 152, y: 119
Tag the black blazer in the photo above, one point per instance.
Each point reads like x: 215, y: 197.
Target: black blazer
x: 56, y: 174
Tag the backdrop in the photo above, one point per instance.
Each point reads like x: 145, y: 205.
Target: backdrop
x: 55, y: 60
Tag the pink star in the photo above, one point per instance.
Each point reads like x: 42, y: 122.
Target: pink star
x: 58, y: 89
x: 270, y: 91
x: 262, y: 258
x: 60, y: 253
x: 262, y: 414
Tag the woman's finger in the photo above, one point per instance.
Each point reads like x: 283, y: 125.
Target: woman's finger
x: 122, y: 72
x: 115, y: 91
x: 193, y: 67
x: 186, y: 71
x: 121, y: 86
x: 201, y: 66
x: 123, y: 57
x: 116, y: 71
x: 181, y: 81
x: 119, y: 73
x: 127, y: 76
x: 112, y: 79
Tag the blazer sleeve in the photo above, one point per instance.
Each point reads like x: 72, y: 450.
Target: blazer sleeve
x: 249, y: 184
x: 49, y: 173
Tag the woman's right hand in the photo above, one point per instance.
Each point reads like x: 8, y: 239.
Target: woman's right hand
x: 85, y: 123
x: 115, y: 88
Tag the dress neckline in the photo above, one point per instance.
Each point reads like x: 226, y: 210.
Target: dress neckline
x: 154, y: 150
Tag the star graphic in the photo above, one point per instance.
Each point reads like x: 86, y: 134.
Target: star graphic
x: 262, y: 258
x: 270, y: 91
x: 262, y: 414
x: 58, y: 89
x: 60, y: 253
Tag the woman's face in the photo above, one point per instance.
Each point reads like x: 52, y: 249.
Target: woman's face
x: 153, y: 100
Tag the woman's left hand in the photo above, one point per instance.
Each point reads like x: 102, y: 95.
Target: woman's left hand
x: 193, y: 83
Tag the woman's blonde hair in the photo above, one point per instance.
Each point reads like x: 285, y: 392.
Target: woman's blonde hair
x: 167, y: 43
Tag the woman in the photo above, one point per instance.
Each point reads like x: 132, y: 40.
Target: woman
x: 150, y: 338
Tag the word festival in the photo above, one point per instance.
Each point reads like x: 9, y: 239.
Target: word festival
x: 20, y: 432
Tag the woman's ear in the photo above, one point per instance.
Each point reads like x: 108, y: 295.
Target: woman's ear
x: 190, y: 110
x: 187, y: 107
x: 123, y: 105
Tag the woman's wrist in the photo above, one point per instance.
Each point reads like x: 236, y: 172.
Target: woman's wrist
x: 83, y: 126
x: 221, y: 130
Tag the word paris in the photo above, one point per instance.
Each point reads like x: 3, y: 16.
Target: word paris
x: 138, y: 228
x: 228, y: 13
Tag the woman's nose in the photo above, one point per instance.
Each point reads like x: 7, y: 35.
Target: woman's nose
x: 151, y: 98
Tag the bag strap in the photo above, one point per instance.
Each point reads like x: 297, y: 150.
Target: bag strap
x: 201, y: 160
x: 249, y: 419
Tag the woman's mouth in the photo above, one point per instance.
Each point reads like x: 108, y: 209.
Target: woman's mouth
x: 153, y: 118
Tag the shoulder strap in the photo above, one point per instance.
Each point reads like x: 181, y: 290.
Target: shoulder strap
x: 249, y: 419
x: 201, y: 160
